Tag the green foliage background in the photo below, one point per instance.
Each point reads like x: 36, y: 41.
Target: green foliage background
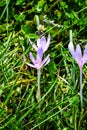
x: 60, y: 103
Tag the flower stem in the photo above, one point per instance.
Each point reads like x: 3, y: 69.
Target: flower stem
x: 38, y: 82
x: 71, y: 36
x: 38, y: 96
x: 81, y: 88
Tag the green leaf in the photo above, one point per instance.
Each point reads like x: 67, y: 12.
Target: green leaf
x: 2, y: 2
x: 67, y: 128
x: 20, y: 17
x: 75, y: 101
x: 26, y: 29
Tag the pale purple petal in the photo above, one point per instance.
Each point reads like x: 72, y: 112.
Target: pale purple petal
x: 78, y: 51
x: 38, y: 66
x: 39, y: 55
x: 85, y: 50
x: 71, y: 49
x: 85, y: 55
x: 38, y: 43
x: 78, y: 57
x: 41, y: 43
x: 74, y: 53
x: 32, y: 58
x: 46, y: 60
x: 30, y: 65
x: 33, y: 45
x: 47, y: 44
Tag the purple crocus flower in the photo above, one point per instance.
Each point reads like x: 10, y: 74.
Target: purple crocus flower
x: 81, y: 60
x: 38, y: 63
x: 41, y: 47
x: 41, y: 43
x: 77, y: 54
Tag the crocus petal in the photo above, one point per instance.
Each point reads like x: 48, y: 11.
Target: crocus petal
x: 71, y: 49
x: 38, y: 43
x: 32, y: 58
x: 78, y: 56
x: 78, y: 51
x: 85, y: 50
x: 38, y: 66
x: 39, y: 55
x: 30, y: 65
x: 46, y: 60
x: 85, y: 55
x: 33, y: 45
x: 47, y: 44
x: 41, y: 43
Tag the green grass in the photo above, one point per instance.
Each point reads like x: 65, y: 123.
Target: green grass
x: 59, y: 107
